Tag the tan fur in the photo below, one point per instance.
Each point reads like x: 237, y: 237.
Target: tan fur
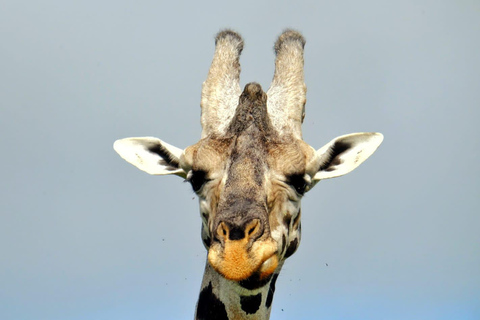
x: 287, y: 93
x: 250, y: 171
x: 221, y: 89
x: 237, y: 263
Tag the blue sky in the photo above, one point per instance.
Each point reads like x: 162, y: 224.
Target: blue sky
x: 84, y: 235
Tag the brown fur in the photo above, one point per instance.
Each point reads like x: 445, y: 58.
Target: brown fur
x: 250, y: 170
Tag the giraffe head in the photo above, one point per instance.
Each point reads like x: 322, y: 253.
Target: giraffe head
x: 251, y: 167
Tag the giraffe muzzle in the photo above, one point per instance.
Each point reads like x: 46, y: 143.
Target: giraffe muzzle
x: 241, y: 253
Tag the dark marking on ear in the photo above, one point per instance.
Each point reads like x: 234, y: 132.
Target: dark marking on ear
x: 209, y: 307
x: 169, y: 159
x: 251, y: 304
x: 271, y: 291
x: 292, y: 247
x: 169, y: 168
x: 284, y: 242
x: 333, y: 156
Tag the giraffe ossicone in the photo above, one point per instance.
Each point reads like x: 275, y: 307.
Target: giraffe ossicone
x: 250, y: 170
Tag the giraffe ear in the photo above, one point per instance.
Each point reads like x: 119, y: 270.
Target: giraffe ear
x: 345, y: 153
x: 151, y: 155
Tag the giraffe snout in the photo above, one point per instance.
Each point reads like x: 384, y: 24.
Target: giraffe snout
x: 248, y: 231
x: 239, y: 251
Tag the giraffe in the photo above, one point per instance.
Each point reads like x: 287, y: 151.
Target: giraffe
x: 250, y: 169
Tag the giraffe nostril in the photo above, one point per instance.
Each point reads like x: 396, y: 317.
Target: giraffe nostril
x: 254, y: 229
x: 222, y: 232
x: 230, y: 231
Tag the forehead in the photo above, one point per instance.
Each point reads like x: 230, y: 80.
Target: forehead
x: 284, y: 155
x: 289, y: 156
x: 250, y: 144
x: 209, y: 153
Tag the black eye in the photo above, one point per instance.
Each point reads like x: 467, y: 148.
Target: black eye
x: 198, y: 179
x: 298, y: 183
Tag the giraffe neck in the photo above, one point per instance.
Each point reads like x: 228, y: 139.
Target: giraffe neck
x: 222, y: 299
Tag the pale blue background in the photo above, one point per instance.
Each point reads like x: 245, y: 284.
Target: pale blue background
x: 84, y: 235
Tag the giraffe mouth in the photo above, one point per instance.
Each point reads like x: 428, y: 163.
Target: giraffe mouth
x: 236, y: 261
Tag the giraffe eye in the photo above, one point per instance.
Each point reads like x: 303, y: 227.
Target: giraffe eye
x: 297, y: 181
x: 197, y: 179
